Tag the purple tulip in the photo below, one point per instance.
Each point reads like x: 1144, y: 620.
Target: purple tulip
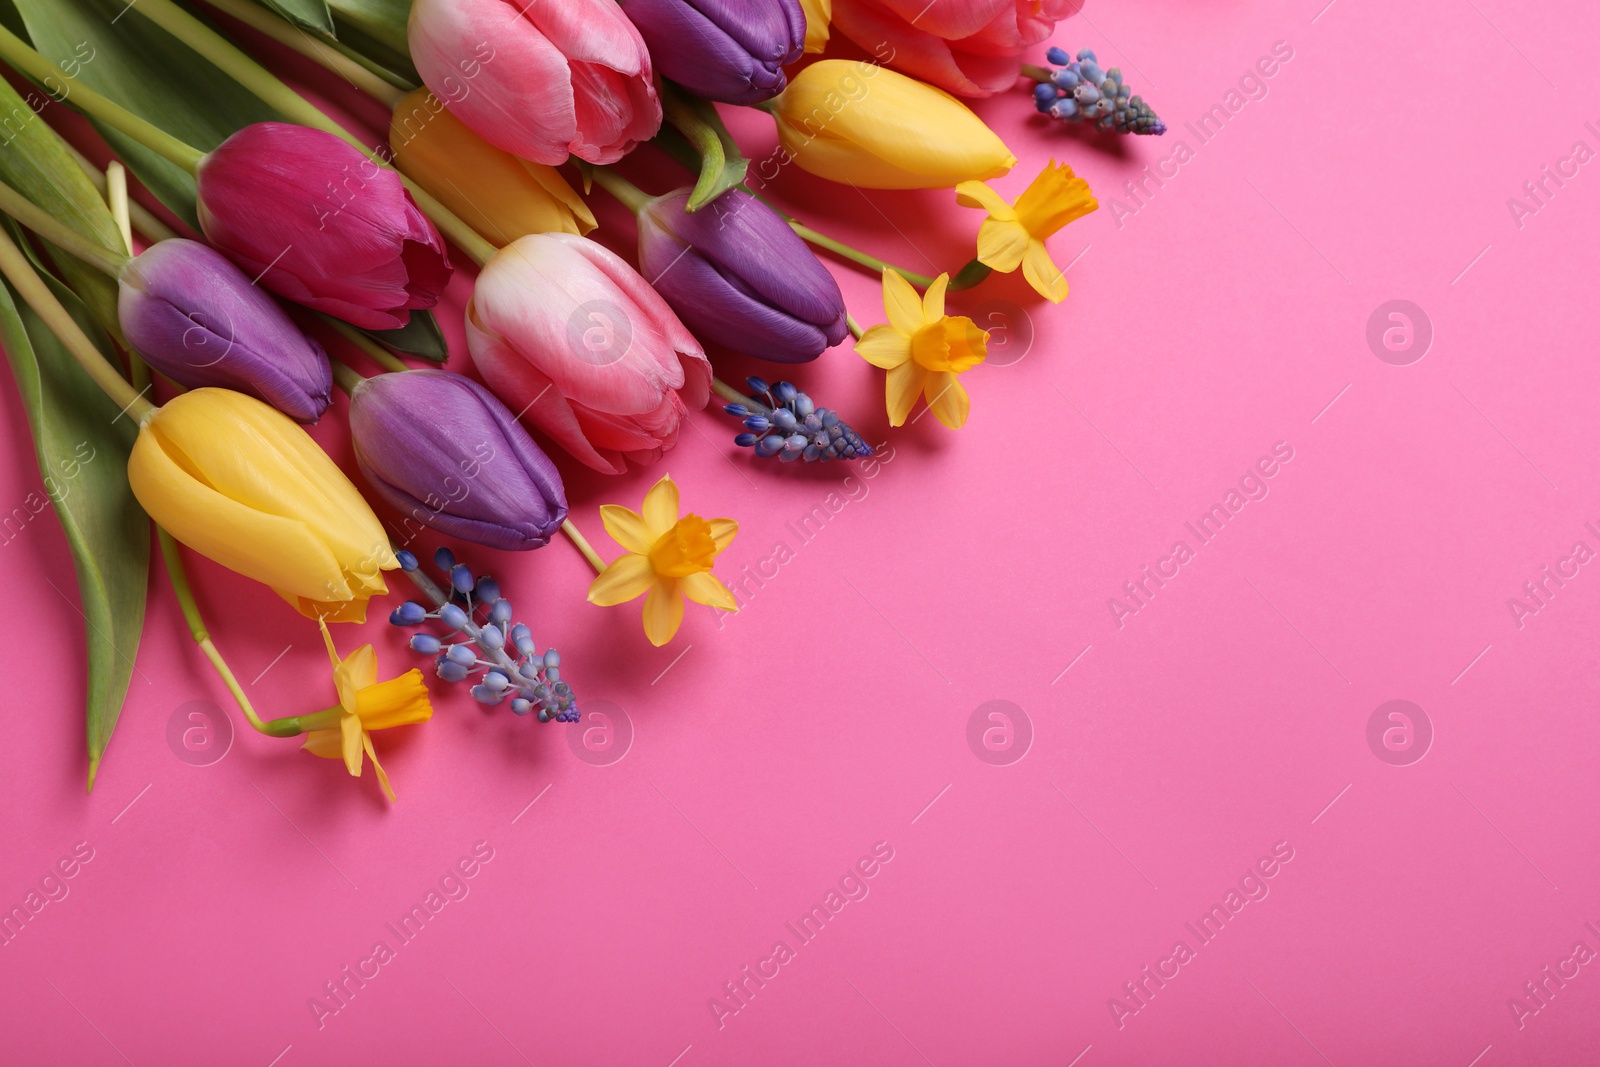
x: 196, y: 318
x: 447, y: 455
x: 727, y: 50
x: 739, y: 277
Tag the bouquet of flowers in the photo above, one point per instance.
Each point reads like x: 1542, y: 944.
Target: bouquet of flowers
x: 175, y: 332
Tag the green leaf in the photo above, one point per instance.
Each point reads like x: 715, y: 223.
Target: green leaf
x: 312, y: 14
x: 315, y: 17
x: 384, y: 21
x: 721, y: 165
x: 82, y: 442
x: 149, y: 72
x: 421, y: 337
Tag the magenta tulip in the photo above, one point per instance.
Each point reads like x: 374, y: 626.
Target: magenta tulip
x: 540, y: 80
x: 311, y: 218
x: 575, y: 340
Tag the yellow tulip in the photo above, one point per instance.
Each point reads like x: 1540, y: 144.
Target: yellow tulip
x: 366, y: 704
x: 242, y: 484
x: 924, y: 350
x: 818, y: 14
x: 857, y: 123
x: 1013, y: 235
x: 668, y: 557
x: 499, y: 195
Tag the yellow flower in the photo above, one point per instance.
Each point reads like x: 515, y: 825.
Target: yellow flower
x: 818, y: 14
x: 1014, y: 234
x: 366, y: 704
x: 499, y: 195
x: 923, y: 349
x: 860, y: 124
x: 242, y: 484
x: 666, y: 556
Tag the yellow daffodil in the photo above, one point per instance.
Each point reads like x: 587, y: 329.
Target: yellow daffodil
x: 667, y: 556
x: 861, y: 124
x: 923, y: 349
x: 365, y: 704
x: 1014, y: 234
x: 818, y: 14
x: 499, y: 195
x: 242, y: 484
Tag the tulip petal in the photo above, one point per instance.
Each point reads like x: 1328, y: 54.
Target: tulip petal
x: 663, y: 611
x: 884, y: 346
x: 1048, y: 280
x: 947, y: 398
x: 1001, y: 244
x: 660, y: 509
x: 901, y: 304
x: 722, y: 531
x: 705, y: 589
x: 901, y: 386
x: 624, y: 579
x: 626, y: 527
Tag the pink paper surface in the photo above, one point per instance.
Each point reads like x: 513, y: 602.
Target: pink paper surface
x: 1024, y: 868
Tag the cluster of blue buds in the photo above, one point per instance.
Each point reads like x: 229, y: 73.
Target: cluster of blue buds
x: 790, y: 426
x: 1079, y: 91
x: 489, y: 643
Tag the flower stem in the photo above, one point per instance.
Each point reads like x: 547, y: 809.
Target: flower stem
x: 14, y: 51
x: 15, y: 266
x: 59, y: 233
x: 1036, y: 72
x: 633, y: 198
x: 142, y: 218
x: 293, y: 37
x: 581, y: 543
x: 822, y: 240
x: 855, y: 327
x: 116, y: 194
x: 197, y: 625
x: 345, y: 376
x: 293, y: 725
x: 379, y: 355
x: 728, y: 392
x: 227, y: 57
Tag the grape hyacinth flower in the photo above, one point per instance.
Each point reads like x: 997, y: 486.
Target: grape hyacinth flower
x: 482, y: 640
x: 789, y: 425
x: 1079, y: 91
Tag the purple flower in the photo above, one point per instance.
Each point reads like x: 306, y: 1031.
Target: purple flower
x: 196, y: 318
x: 727, y: 50
x: 739, y: 277
x: 447, y: 455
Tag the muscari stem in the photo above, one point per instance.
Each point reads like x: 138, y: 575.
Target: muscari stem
x: 15, y: 266
x: 728, y: 392
x: 227, y: 57
x: 59, y: 233
x: 197, y: 626
x: 1036, y: 72
x: 15, y: 52
x: 633, y: 198
x: 291, y: 36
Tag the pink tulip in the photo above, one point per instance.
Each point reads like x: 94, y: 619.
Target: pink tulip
x: 312, y: 219
x: 575, y: 340
x: 968, y: 47
x: 540, y: 80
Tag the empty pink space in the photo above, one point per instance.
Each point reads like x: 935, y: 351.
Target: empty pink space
x: 1224, y: 692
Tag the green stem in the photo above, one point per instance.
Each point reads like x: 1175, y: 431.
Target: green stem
x: 1036, y: 72
x: 581, y: 543
x: 197, y: 625
x: 14, y: 51
x: 378, y: 354
x: 728, y: 392
x: 15, y: 266
x: 855, y: 327
x: 854, y: 255
x: 142, y: 218
x: 290, y: 726
x: 293, y: 37
x: 633, y: 198
x: 116, y: 194
x: 345, y: 376
x: 59, y: 233
x: 227, y: 57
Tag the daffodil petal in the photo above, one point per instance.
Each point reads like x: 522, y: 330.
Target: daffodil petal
x: 722, y: 531
x: 978, y: 194
x: 947, y: 398
x: 324, y: 743
x: 327, y: 639
x: 350, y: 734
x: 1048, y: 280
x: 901, y: 386
x: 1001, y: 244
x: 900, y: 303
x: 933, y: 299
x: 663, y: 611
x: 660, y: 509
x: 624, y: 579
x: 383, y: 777
x: 884, y: 346
x: 704, y: 588
x: 626, y: 527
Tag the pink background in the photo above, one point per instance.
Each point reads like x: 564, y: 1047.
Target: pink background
x: 1224, y: 315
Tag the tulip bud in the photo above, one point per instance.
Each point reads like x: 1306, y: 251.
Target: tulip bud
x: 819, y: 13
x: 441, y: 450
x: 567, y: 332
x: 728, y: 50
x: 314, y: 220
x: 857, y: 123
x: 739, y: 277
x: 196, y: 318
x: 499, y: 195
x: 540, y: 80
x: 241, y: 484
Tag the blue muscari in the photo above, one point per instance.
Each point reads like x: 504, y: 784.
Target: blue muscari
x: 1079, y: 91
x: 501, y: 651
x: 790, y: 426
